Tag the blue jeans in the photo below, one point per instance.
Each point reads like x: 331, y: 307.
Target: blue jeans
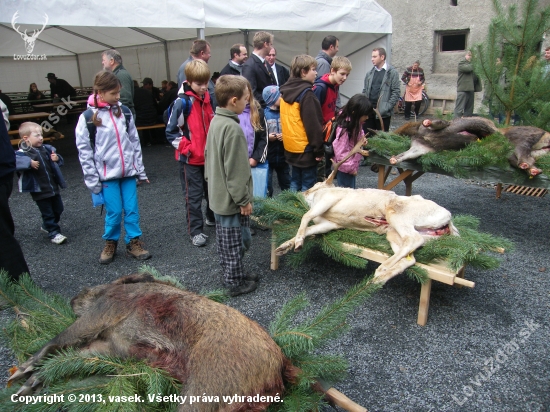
x: 303, y: 178
x: 121, y: 195
x: 283, y: 176
x: 51, y: 209
x: 345, y: 180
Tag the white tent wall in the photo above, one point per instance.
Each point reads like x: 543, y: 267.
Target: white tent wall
x: 75, y: 28
x: 16, y: 76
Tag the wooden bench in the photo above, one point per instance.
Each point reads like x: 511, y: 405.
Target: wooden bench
x: 155, y: 126
x: 436, y: 271
x: 15, y: 142
x: 444, y: 100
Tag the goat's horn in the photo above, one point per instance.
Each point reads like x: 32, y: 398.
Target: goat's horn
x: 356, y: 149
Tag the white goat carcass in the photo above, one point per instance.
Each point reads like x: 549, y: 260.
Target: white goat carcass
x: 407, y: 221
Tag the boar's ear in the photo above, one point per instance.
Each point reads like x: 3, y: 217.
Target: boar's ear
x: 85, y: 298
x: 135, y: 278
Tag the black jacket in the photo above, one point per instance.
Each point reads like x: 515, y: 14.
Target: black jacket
x: 228, y: 69
x: 62, y: 88
x: 258, y: 75
x: 282, y: 74
x: 145, y: 106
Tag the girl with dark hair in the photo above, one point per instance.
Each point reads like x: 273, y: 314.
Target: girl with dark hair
x: 110, y: 155
x: 34, y: 93
x: 349, y: 131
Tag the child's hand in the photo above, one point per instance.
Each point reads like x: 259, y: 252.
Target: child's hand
x: 35, y: 164
x: 273, y: 136
x: 54, y: 157
x: 252, y: 162
x: 246, y: 210
x: 280, y: 137
x: 141, y: 181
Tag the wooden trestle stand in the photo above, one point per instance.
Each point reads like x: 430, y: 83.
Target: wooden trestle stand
x: 436, y: 271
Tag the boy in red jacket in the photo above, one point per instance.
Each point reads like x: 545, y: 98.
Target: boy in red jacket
x: 187, y: 128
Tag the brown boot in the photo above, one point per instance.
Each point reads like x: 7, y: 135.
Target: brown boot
x: 135, y: 250
x: 108, y: 252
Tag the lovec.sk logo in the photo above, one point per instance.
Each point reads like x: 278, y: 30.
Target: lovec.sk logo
x: 30, y: 40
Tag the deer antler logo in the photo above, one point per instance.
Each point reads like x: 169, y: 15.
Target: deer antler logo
x: 29, y: 40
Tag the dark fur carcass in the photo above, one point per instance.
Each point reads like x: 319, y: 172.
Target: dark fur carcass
x: 210, y: 347
x: 436, y: 135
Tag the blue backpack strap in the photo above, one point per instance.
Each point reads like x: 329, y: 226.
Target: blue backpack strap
x: 128, y: 115
x: 92, y: 129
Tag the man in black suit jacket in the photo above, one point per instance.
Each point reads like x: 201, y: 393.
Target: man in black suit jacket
x: 239, y: 55
x: 281, y: 72
x: 256, y: 70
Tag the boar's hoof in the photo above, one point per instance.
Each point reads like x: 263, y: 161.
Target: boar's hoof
x: 534, y: 171
x: 523, y: 165
x: 393, y: 160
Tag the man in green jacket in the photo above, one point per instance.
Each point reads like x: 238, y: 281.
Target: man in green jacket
x: 464, y: 105
x: 112, y: 61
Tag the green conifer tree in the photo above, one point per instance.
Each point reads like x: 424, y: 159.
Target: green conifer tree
x: 509, y: 63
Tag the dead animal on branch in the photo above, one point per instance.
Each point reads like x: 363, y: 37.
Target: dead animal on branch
x: 407, y: 221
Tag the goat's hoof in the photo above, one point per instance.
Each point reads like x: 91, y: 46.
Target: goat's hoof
x: 284, y: 248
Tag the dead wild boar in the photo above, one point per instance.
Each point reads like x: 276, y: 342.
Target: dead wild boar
x: 436, y: 135
x: 439, y: 135
x: 530, y: 143
x: 210, y: 347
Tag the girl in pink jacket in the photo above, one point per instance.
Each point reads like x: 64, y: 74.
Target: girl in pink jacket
x: 349, y: 131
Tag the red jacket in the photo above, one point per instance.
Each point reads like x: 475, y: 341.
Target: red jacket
x: 327, y: 93
x: 188, y: 133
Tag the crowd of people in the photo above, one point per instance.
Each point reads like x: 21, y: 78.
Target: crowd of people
x: 224, y: 126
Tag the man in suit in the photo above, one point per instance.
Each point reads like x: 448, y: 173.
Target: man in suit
x: 281, y: 73
x: 238, y: 56
x: 256, y: 70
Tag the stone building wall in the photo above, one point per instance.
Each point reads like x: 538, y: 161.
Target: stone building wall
x: 417, y: 26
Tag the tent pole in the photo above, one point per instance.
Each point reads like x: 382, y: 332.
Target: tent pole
x: 79, y: 73
x: 200, y: 34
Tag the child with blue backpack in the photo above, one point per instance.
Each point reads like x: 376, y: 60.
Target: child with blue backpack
x: 187, y: 126
x: 110, y: 154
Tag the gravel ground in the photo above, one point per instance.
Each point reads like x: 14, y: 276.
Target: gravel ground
x: 483, y: 349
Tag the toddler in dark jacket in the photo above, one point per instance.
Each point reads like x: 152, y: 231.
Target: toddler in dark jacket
x: 38, y: 167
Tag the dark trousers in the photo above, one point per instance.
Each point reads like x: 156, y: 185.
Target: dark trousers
x: 374, y: 124
x: 408, y: 108
x: 51, y: 209
x: 464, y: 105
x: 283, y: 176
x: 11, y: 255
x: 194, y: 188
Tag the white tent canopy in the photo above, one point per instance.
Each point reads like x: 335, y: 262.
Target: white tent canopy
x: 154, y: 38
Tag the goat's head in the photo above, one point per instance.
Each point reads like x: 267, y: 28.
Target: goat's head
x: 29, y: 40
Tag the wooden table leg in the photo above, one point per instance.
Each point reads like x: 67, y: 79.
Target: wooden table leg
x: 424, y: 303
x: 274, y: 257
x: 499, y: 190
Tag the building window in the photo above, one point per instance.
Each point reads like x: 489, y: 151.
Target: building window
x: 453, y: 41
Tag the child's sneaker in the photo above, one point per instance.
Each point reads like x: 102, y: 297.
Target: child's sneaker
x: 58, y: 239
x: 135, y: 250
x: 199, y: 240
x: 43, y: 230
x: 108, y: 252
x: 210, y: 222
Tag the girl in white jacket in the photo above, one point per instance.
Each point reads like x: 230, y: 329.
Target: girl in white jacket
x: 110, y: 155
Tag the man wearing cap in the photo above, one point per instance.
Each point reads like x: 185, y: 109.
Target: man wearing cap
x: 60, y: 88
x: 112, y: 61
